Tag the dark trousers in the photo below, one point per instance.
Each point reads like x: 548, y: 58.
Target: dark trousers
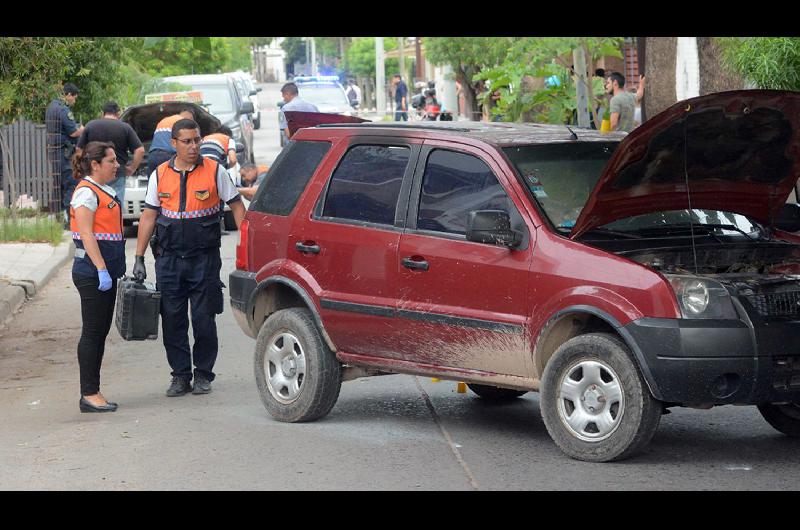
x: 156, y: 158
x: 97, y: 312
x: 183, y: 281
x: 67, y: 185
x: 400, y: 115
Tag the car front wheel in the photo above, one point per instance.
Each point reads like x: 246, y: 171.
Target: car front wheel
x: 784, y: 417
x: 595, y: 404
x: 297, y: 375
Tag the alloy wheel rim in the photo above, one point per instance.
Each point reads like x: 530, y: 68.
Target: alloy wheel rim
x: 285, y: 367
x: 591, y: 401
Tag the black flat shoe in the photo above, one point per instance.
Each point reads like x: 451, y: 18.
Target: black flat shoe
x: 85, y: 406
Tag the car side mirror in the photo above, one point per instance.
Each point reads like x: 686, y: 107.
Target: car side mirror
x: 789, y: 218
x: 253, y: 93
x: 247, y: 108
x: 259, y: 89
x: 492, y: 227
x: 281, y: 104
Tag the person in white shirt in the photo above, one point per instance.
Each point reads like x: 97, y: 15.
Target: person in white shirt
x: 291, y: 95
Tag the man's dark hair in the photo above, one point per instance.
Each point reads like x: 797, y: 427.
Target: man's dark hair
x: 289, y: 88
x: 183, y: 124
x: 247, y: 166
x: 618, y: 77
x: 351, y: 81
x: 224, y: 129
x: 70, y: 89
x: 110, y: 107
x: 188, y: 109
x: 398, y: 76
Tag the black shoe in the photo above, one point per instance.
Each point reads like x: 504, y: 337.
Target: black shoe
x: 86, y: 406
x: 179, y: 387
x: 201, y: 386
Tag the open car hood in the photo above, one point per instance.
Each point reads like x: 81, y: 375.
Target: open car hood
x: 144, y: 118
x: 300, y: 120
x: 739, y: 152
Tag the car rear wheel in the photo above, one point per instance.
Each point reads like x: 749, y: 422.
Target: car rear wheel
x: 297, y: 375
x: 785, y: 417
x: 595, y: 404
x: 493, y: 393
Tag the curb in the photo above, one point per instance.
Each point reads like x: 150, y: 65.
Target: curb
x: 15, y: 293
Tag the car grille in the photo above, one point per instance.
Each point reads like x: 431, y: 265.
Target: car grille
x: 785, y: 304
x: 786, y: 377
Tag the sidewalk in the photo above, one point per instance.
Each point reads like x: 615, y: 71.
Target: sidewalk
x: 25, y: 268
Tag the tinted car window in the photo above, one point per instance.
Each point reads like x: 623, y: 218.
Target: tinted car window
x: 288, y: 177
x: 453, y: 185
x: 366, y: 185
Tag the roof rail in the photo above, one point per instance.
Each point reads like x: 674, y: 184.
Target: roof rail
x: 373, y: 124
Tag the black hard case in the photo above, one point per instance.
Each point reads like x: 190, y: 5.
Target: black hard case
x: 138, y: 306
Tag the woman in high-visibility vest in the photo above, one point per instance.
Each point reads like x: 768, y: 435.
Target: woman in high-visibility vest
x: 96, y: 225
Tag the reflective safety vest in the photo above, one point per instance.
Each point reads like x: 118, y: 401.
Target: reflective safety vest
x: 216, y: 146
x: 162, y: 137
x: 188, y: 223
x: 107, y: 230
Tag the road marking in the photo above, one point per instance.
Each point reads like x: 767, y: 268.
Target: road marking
x: 453, y: 446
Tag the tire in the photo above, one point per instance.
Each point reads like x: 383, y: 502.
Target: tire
x: 784, y: 418
x: 493, y: 393
x: 297, y: 375
x: 596, y: 370
x: 229, y: 221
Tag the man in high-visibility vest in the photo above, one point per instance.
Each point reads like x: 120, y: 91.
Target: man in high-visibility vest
x: 182, y: 206
x: 161, y: 148
x: 220, y: 146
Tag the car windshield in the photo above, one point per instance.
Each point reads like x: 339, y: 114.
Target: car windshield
x: 217, y: 98
x: 323, y: 95
x: 683, y: 219
x: 561, y: 176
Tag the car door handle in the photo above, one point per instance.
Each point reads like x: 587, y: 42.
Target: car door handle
x: 307, y: 247
x: 415, y: 264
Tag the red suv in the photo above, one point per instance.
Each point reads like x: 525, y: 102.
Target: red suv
x: 617, y: 275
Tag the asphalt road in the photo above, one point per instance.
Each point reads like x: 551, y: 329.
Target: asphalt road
x: 385, y: 433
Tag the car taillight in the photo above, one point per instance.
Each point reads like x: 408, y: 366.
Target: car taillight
x: 241, y: 248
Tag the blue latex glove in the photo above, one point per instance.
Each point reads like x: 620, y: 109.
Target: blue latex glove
x: 105, y: 280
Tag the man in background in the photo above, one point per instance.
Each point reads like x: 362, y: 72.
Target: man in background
x: 400, y: 98
x: 622, y: 105
x: 110, y: 129
x: 252, y: 176
x: 62, y: 133
x: 291, y: 97
x: 161, y: 148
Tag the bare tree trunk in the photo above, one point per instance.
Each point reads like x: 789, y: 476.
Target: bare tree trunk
x: 470, y: 96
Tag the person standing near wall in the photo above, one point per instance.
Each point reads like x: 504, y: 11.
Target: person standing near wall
x: 62, y: 133
x: 622, y: 105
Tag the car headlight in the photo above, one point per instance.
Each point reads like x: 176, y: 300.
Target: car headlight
x: 701, y: 297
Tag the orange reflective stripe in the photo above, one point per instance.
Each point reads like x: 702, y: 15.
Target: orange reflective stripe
x: 167, y: 123
x: 220, y: 139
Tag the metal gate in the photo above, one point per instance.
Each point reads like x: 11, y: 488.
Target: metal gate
x: 27, y: 163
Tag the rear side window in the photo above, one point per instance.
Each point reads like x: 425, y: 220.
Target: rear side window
x: 288, y: 177
x: 366, y: 185
x: 453, y: 185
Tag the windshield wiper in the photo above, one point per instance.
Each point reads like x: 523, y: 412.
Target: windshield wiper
x: 707, y: 226
x: 627, y: 235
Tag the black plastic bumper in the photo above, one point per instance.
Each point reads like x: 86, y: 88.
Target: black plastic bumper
x: 241, y: 285
x: 718, y: 361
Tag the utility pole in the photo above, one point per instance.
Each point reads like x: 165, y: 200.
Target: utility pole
x: 313, y: 56
x: 402, y: 59
x: 380, y: 78
x: 579, y: 62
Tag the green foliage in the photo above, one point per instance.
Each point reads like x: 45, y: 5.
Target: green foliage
x: 531, y: 57
x: 768, y: 62
x: 29, y: 226
x: 360, y: 57
x: 33, y: 69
